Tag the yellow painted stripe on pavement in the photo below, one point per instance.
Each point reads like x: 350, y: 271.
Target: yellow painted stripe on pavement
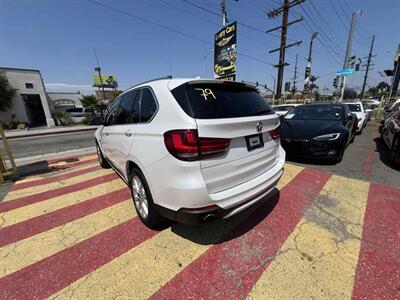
x: 39, y: 208
x: 290, y: 171
x: 30, y: 250
x: 140, y: 272
x: 55, y: 173
x: 319, y: 259
x: 55, y: 185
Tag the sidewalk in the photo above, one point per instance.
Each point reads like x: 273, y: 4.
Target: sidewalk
x: 12, y: 134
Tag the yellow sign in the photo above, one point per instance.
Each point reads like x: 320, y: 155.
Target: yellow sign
x: 109, y: 81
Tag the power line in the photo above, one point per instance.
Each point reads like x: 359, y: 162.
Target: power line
x: 338, y: 15
x: 325, y: 36
x: 238, y: 21
x: 171, y: 29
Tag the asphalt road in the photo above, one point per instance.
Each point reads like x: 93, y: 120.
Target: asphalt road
x: 366, y: 159
x: 39, y: 145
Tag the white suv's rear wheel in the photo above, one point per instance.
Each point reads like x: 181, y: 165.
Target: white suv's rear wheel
x: 143, y: 200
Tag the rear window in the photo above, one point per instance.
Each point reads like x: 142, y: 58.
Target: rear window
x: 316, y: 112
x: 216, y: 101
x: 282, y: 108
x: 354, y: 107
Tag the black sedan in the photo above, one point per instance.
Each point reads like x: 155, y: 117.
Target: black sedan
x: 318, y: 130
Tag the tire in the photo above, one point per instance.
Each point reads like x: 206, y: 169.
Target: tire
x: 143, y: 201
x: 102, y: 161
x: 395, y: 149
x: 339, y: 158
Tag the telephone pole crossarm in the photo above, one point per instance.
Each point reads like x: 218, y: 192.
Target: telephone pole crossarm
x: 276, y: 12
x: 288, y: 24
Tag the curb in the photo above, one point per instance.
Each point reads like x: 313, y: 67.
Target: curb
x: 33, y: 134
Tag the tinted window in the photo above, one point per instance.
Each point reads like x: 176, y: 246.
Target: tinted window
x: 126, y: 114
x: 75, y: 109
x: 215, y: 101
x: 354, y: 107
x: 316, y: 112
x: 112, y: 113
x: 148, y: 106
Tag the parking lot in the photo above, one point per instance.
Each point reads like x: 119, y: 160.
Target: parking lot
x: 328, y: 231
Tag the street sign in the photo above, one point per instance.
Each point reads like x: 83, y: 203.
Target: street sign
x: 344, y: 72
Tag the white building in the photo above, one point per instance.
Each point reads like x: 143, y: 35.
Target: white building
x: 30, y: 104
x: 64, y: 100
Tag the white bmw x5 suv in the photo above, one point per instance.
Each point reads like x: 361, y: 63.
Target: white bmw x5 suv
x: 192, y: 150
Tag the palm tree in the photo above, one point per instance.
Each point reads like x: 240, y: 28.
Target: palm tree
x: 90, y: 101
x: 7, y: 92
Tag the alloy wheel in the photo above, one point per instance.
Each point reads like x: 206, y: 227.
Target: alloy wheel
x: 140, y: 197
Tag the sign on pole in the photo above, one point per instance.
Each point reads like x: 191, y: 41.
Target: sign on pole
x: 225, y: 53
x: 344, y: 72
x: 107, y: 81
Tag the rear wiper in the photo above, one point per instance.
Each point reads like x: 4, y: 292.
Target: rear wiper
x: 261, y: 110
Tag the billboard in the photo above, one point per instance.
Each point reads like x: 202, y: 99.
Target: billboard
x: 225, y: 52
x: 107, y: 81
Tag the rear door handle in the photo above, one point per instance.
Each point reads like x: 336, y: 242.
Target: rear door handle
x: 128, y: 133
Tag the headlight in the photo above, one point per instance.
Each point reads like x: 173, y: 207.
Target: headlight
x: 328, y: 137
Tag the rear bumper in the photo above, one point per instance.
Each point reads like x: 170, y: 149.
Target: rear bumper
x: 191, y: 217
x: 223, y: 204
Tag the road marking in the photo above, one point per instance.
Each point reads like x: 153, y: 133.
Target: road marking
x: 28, y: 251
x: 56, y: 177
x: 378, y: 270
x: 24, y: 201
x: 33, y: 210
x: 39, y: 224
x: 71, y: 159
x: 229, y: 270
x: 318, y: 260
x: 89, y: 174
x: 53, y: 273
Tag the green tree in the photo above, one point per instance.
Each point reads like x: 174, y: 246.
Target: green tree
x: 6, y: 93
x: 90, y: 101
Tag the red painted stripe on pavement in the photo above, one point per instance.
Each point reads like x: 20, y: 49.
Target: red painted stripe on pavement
x: 46, y: 277
x: 19, y: 202
x: 378, y: 269
x: 229, y: 270
x: 25, y: 229
x: 55, y: 178
x: 367, y: 165
x: 62, y: 159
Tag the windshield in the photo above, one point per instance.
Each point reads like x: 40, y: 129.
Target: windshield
x: 282, y: 108
x: 216, y: 100
x: 315, y: 112
x: 354, y: 107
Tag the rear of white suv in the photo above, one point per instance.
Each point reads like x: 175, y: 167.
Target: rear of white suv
x: 209, y: 150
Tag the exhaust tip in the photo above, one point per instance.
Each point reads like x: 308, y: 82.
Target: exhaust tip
x: 209, y: 218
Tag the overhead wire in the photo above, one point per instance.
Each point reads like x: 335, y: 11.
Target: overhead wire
x: 187, y: 35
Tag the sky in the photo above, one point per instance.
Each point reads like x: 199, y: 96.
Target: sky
x: 138, y: 40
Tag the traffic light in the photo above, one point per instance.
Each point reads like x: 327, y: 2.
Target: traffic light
x: 335, y: 82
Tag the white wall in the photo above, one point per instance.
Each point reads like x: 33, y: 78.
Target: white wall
x: 17, y: 79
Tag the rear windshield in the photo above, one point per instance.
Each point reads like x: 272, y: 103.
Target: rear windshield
x: 316, y: 112
x: 354, y: 107
x: 216, y: 101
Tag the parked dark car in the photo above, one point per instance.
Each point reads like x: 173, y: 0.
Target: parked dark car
x: 390, y: 134
x: 318, y: 130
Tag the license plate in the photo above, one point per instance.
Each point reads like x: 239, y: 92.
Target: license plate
x: 254, y: 141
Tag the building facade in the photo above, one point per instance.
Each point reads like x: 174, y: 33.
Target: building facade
x: 30, y: 104
x: 64, y: 100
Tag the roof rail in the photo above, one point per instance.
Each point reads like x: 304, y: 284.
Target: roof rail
x: 151, y: 80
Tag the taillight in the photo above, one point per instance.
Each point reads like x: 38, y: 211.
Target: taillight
x: 275, y: 133
x: 186, y: 145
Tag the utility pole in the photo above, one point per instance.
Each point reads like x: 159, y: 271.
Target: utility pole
x: 224, y: 15
x: 295, y: 77
x: 348, y: 48
x: 307, y: 75
x: 287, y: 4
x: 367, y: 68
x: 98, y: 70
